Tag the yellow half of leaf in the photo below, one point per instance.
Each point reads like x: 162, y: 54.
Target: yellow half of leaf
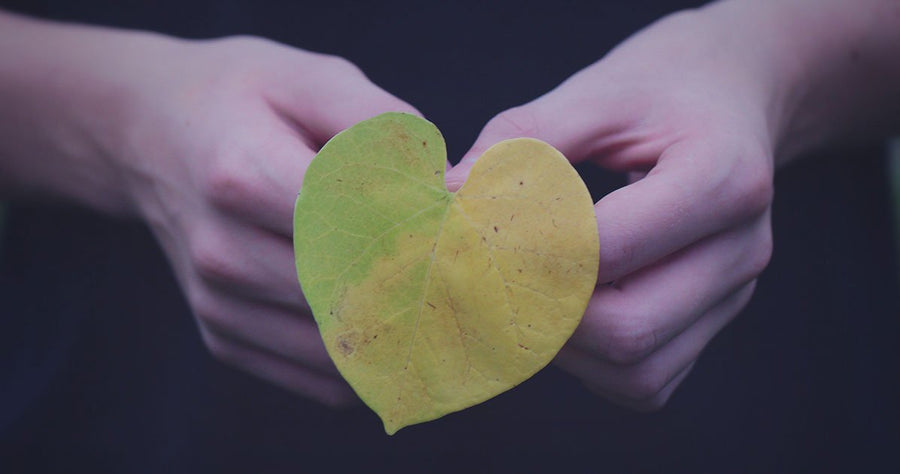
x: 430, y: 301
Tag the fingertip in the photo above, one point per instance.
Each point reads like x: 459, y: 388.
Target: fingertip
x: 324, y: 110
x: 456, y: 176
x: 339, y: 396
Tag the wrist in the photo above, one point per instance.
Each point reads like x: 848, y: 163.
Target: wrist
x: 833, y: 68
x: 68, y: 104
x: 750, y: 33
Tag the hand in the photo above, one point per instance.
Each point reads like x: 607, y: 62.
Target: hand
x: 219, y: 134
x: 682, y: 245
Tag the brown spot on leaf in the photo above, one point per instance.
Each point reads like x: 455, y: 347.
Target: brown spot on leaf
x: 345, y: 346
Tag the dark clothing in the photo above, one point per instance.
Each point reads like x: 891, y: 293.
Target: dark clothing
x: 102, y: 369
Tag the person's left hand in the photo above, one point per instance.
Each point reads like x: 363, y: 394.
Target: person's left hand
x: 681, y: 247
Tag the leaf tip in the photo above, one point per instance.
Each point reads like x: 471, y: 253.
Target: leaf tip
x: 391, y: 427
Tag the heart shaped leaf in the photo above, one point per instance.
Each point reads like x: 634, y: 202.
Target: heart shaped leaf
x: 431, y: 301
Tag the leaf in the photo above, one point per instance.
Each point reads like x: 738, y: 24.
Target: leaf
x: 430, y: 301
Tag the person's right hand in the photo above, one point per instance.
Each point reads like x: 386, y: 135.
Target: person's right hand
x: 216, y: 140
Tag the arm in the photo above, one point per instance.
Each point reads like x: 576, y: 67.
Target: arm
x: 62, y: 88
x: 700, y: 108
x: 207, y: 141
x: 833, y: 64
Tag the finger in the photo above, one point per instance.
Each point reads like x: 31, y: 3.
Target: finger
x: 695, y: 190
x: 333, y: 96
x: 644, y: 310
x: 291, y: 336
x: 257, y: 175
x: 693, y: 187
x: 649, y: 381
x: 522, y: 121
x: 247, y: 262
x: 329, y: 390
x: 653, y: 403
x: 572, y: 118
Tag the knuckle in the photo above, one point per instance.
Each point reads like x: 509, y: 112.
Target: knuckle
x: 757, y: 252
x: 751, y: 187
x: 626, y: 343
x: 630, y: 348
x: 762, y: 254
x: 742, y: 188
x: 226, y: 187
x: 515, y: 122
x: 241, y: 48
x: 617, y: 253
x: 758, y: 191
x: 211, y: 262
x: 339, y: 64
x: 645, y: 388
x: 246, y: 40
x: 218, y: 347
x: 208, y: 312
x: 233, y: 51
x: 655, y: 403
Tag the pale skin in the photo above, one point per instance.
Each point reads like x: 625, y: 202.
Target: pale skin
x: 701, y: 108
x: 207, y: 141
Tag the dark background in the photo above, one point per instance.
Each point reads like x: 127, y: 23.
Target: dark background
x: 101, y: 368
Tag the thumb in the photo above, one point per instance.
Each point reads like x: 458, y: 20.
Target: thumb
x: 334, y: 97
x: 552, y: 118
x: 521, y: 121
